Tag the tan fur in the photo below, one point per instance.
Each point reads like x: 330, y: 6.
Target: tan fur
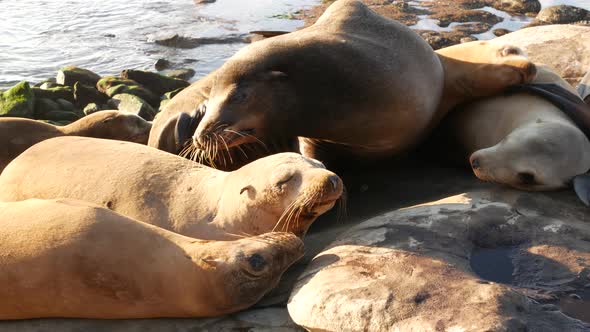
x: 65, y: 258
x: 512, y: 135
x: 18, y: 134
x: 174, y: 193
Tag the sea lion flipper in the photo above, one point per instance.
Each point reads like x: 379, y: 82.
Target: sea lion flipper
x: 185, y: 127
x: 582, y: 188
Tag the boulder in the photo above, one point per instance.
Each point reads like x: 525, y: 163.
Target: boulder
x: 91, y: 108
x: 134, y: 104
x: 84, y: 95
x: 66, y: 105
x: 493, y: 260
x: 562, y: 14
x: 71, y: 74
x: 55, y: 93
x: 18, y: 101
x: 107, y: 82
x: 182, y: 73
x: 61, y: 116
x: 159, y: 84
x: 135, y: 90
x: 44, y: 106
x: 565, y: 48
x: 517, y: 6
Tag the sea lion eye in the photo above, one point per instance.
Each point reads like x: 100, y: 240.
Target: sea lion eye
x: 285, y: 181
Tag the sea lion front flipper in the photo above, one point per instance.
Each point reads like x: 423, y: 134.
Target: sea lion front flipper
x: 584, y: 87
x: 582, y: 188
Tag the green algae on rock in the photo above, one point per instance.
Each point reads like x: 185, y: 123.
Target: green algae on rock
x: 84, y: 95
x: 18, y: 101
x: 55, y: 93
x: 71, y: 74
x: 157, y: 83
x: 133, y: 104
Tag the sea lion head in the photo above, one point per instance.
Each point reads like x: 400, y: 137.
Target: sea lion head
x: 482, y: 68
x: 247, y: 102
x: 117, y: 125
x: 539, y: 156
x: 283, y: 192
x: 244, y: 270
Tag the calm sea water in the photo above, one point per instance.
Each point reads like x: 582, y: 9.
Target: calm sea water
x: 37, y: 37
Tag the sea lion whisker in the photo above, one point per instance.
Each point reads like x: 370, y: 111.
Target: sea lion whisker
x: 226, y: 149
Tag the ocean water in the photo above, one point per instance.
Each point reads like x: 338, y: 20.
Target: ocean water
x: 37, y: 37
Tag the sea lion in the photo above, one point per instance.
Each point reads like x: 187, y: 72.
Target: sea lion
x: 284, y: 192
x: 18, y: 134
x: 354, y: 84
x: 584, y: 88
x: 67, y: 258
x: 525, y: 138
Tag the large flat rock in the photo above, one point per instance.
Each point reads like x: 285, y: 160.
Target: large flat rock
x: 412, y: 269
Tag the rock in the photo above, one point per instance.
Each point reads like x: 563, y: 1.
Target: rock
x: 565, y: 48
x: 135, y: 90
x: 107, y: 82
x: 467, y: 39
x: 500, y: 32
x: 203, y: 1
x: 414, y: 269
x: 156, y: 83
x: 177, y: 41
x: 44, y: 106
x: 18, y: 101
x: 55, y: 93
x: 517, y: 6
x: 162, y: 64
x: 473, y: 27
x: 46, y: 84
x: 259, y: 320
x: 561, y: 14
x: 182, y: 73
x: 66, y: 105
x: 442, y: 39
x: 70, y: 75
x: 91, y: 108
x: 134, y: 104
x: 171, y: 94
x: 466, y: 16
x: 61, y: 116
x: 84, y: 94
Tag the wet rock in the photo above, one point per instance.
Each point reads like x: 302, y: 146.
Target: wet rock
x: 410, y: 269
x: 156, y: 83
x: 91, y: 108
x: 182, y: 74
x: 500, y: 32
x: 466, y: 16
x: 203, y: 1
x: 162, y: 64
x: 255, y: 36
x: 61, y: 116
x: 561, y: 14
x: 107, y: 82
x: 473, y: 27
x: 171, y: 94
x: 84, y: 94
x: 134, y: 104
x: 66, y: 105
x: 135, y: 90
x: 177, y: 41
x: 44, y: 106
x: 18, y: 101
x: 438, y: 39
x: 46, y: 84
x: 70, y: 75
x: 55, y: 93
x: 467, y: 39
x: 565, y: 48
x: 517, y: 6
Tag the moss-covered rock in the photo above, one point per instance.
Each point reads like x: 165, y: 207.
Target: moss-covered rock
x: 71, y: 74
x: 18, y: 101
x: 91, y: 108
x: 171, y: 94
x: 44, y: 106
x: 107, y: 82
x: 182, y: 73
x: 55, y: 93
x: 84, y: 95
x: 134, y: 104
x: 136, y: 90
x: 159, y: 84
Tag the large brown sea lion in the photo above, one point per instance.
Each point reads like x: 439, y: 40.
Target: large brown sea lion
x: 66, y: 258
x: 18, y: 134
x: 529, y: 138
x: 285, y: 192
x: 354, y: 84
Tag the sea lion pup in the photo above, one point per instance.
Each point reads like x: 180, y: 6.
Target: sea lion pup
x: 283, y: 192
x: 66, y: 258
x: 523, y: 139
x: 354, y: 84
x: 18, y: 134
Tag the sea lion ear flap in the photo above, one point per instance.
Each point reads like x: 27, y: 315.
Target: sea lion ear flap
x: 582, y: 188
